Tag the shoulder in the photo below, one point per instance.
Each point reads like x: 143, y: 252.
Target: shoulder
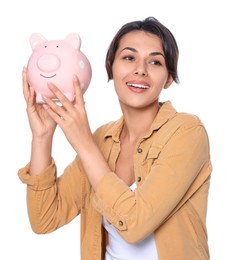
x: 186, y: 123
x: 186, y: 127
x: 169, y: 116
x: 101, y: 130
x: 110, y: 129
x: 186, y: 119
x: 182, y: 125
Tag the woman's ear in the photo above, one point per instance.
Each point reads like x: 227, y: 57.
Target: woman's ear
x: 168, y: 82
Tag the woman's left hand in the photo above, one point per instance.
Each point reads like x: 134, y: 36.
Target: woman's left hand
x: 72, y: 118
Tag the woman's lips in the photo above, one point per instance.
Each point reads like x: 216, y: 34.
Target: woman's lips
x: 138, y: 87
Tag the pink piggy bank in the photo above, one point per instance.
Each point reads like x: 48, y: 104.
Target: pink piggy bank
x: 57, y: 61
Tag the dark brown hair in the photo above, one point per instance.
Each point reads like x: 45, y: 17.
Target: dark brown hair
x: 151, y: 25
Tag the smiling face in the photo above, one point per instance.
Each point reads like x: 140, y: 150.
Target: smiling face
x: 139, y: 70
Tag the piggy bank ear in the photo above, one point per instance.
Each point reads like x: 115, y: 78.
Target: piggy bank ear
x: 35, y: 39
x: 74, y: 40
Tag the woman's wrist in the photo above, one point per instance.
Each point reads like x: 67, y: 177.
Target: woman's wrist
x: 41, y: 154
x: 42, y: 138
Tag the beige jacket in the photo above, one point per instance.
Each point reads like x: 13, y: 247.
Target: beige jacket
x: 172, y: 170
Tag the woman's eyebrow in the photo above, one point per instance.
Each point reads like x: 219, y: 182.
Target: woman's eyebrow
x: 130, y: 49
x: 155, y: 53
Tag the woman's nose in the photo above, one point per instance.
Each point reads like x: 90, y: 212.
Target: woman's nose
x: 141, y: 69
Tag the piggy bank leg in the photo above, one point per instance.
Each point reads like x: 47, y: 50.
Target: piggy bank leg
x: 39, y: 99
x: 70, y: 96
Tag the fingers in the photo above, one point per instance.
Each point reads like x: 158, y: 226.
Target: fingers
x: 60, y: 96
x: 79, y: 98
x: 67, y: 104
x: 55, y: 111
x: 25, y: 84
x: 28, y: 92
x: 31, y: 98
x: 67, y: 109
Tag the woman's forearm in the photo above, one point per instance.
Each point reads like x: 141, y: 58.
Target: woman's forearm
x: 41, y: 155
x: 93, y: 162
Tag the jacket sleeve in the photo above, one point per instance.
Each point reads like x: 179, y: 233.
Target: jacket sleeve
x: 180, y: 168
x: 53, y: 202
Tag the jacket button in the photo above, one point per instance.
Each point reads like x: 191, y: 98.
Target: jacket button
x: 121, y: 223
x: 139, y: 179
x: 140, y: 150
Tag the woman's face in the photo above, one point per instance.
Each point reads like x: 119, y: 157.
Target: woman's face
x: 139, y: 69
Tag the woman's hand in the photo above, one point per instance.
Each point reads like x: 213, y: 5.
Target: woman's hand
x: 72, y: 118
x: 41, y: 124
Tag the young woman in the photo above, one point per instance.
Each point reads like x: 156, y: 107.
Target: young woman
x: 140, y: 184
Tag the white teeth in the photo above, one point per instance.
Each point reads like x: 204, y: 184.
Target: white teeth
x: 138, y: 86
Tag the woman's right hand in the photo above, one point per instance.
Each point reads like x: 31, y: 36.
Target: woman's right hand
x: 41, y: 124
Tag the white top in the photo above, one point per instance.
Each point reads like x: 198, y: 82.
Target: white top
x: 119, y: 249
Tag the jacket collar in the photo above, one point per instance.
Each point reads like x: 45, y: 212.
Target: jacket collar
x: 165, y: 113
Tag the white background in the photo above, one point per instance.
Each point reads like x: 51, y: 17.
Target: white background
x: 205, y: 32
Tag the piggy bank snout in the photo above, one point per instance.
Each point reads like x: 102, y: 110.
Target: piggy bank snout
x: 48, y: 62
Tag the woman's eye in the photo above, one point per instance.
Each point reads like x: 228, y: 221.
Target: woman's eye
x: 155, y: 62
x: 129, y: 58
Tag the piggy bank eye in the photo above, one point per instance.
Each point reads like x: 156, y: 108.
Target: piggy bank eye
x: 45, y: 46
x: 57, y: 46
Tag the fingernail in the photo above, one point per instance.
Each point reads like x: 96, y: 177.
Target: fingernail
x: 75, y: 78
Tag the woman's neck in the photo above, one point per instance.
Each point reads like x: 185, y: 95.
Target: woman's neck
x: 137, y: 122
